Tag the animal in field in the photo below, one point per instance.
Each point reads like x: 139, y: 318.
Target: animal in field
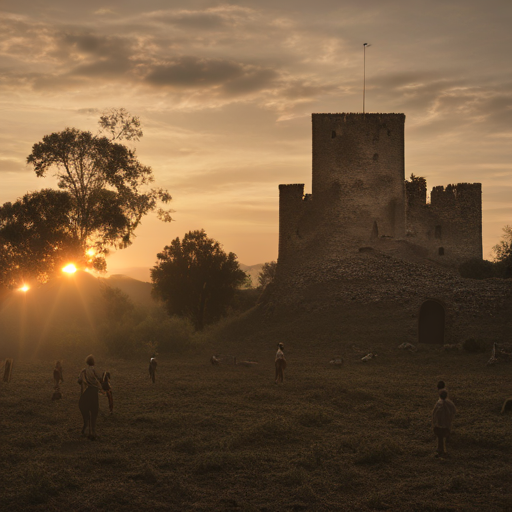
x: 247, y: 363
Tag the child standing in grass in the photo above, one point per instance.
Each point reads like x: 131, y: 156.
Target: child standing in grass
x: 280, y: 363
x: 442, y: 419
x: 152, y: 367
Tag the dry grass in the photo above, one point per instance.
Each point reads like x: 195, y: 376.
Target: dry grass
x: 227, y: 438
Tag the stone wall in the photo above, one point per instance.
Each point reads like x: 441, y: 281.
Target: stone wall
x: 450, y: 227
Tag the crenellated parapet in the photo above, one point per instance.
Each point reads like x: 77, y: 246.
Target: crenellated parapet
x: 450, y: 226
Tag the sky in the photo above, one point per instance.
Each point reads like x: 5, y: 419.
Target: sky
x: 225, y: 91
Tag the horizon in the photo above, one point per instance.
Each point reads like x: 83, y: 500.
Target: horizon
x: 225, y: 93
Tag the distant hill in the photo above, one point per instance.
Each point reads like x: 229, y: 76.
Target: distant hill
x: 138, y: 291
x: 253, y: 271
x: 138, y: 273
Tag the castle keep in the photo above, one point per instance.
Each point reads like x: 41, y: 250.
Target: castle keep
x: 360, y: 200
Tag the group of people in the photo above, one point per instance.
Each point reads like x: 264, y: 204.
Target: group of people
x: 92, y: 382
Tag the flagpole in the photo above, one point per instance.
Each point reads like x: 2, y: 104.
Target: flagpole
x: 364, y: 72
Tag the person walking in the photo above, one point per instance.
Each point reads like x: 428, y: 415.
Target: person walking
x: 280, y: 363
x: 442, y: 419
x: 90, y: 382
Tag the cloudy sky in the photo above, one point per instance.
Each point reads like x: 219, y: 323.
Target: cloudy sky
x: 225, y: 91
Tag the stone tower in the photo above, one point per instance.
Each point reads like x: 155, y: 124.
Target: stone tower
x: 359, y: 199
x: 358, y: 173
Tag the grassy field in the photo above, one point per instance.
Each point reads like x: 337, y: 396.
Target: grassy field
x: 357, y: 437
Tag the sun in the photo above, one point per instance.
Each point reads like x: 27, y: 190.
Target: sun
x: 24, y: 288
x: 69, y: 269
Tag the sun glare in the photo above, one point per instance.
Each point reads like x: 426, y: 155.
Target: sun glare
x: 90, y: 252
x: 69, y: 269
x: 24, y: 288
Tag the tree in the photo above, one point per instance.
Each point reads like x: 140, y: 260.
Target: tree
x: 36, y: 236
x: 267, y: 274
x: 120, y: 124
x: 196, y: 279
x: 503, y: 252
x: 109, y: 189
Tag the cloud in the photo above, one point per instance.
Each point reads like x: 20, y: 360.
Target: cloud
x: 11, y: 165
x: 189, y: 71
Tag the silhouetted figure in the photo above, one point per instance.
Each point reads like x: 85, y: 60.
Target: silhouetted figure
x: 440, y: 386
x: 105, y: 385
x: 442, y: 419
x: 57, y: 379
x: 8, y: 369
x: 280, y: 363
x: 90, y: 380
x: 152, y: 368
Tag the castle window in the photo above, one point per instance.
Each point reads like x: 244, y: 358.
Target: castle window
x: 333, y: 135
x: 440, y: 251
x: 438, y: 232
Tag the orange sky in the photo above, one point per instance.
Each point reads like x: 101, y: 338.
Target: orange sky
x: 225, y: 92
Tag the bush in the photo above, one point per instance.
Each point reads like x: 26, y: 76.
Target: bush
x: 476, y: 268
x: 152, y: 331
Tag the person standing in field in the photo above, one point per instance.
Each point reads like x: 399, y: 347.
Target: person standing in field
x: 280, y: 363
x: 57, y: 379
x: 90, y: 382
x: 442, y: 419
x: 152, y: 368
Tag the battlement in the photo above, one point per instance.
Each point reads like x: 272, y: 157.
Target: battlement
x: 461, y: 194
x: 292, y: 191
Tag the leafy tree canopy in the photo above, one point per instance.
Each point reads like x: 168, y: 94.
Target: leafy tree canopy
x: 267, y: 274
x: 120, y: 124
x: 36, y: 236
x: 196, y: 279
x: 503, y: 252
x: 104, y: 193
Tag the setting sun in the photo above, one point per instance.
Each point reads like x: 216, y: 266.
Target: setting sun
x: 69, y: 269
x: 90, y: 252
x: 24, y: 288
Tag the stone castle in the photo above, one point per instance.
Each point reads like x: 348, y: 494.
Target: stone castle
x: 360, y: 200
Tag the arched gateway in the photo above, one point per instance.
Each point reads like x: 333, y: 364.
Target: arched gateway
x: 431, y: 322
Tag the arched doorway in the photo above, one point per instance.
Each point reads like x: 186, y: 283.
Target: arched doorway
x: 431, y: 322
